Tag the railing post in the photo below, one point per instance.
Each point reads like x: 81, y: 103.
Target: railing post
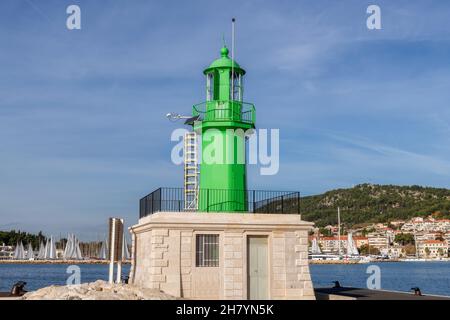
x: 152, y: 203
x: 160, y: 199
x: 207, y: 200
x: 282, y: 204
x: 254, y: 202
x: 298, y: 199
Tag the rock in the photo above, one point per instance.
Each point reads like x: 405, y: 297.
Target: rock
x: 98, y: 290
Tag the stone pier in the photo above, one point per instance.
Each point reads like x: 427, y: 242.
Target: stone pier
x: 207, y: 255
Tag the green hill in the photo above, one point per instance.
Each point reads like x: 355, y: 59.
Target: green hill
x: 369, y: 203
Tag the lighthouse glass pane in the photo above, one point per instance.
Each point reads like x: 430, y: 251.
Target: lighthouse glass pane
x: 209, y: 87
x: 236, y: 87
x: 207, y: 250
x: 241, y: 85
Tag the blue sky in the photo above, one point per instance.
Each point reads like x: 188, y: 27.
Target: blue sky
x: 82, y: 128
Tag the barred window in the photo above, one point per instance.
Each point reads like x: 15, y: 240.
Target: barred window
x: 207, y: 250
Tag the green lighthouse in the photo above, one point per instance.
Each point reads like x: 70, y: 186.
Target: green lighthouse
x: 222, y: 121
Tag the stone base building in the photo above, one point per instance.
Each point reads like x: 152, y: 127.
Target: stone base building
x: 222, y: 255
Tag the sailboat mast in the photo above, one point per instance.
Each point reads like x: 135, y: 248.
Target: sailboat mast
x: 415, y: 243
x: 339, y: 231
x: 232, y: 58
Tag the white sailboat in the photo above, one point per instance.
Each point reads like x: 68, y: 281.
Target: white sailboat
x: 50, y: 249
x: 19, y: 252
x: 77, y: 252
x: 352, y: 250
x: 72, y: 250
x: 30, y: 252
x: 67, y: 247
x: 16, y: 252
x: 41, y: 253
x: 315, y: 249
x: 125, y: 251
x: 103, y: 251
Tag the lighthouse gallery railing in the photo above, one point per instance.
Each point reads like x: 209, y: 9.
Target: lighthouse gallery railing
x: 225, y: 111
x: 256, y: 201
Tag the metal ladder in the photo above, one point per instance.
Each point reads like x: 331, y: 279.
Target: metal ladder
x: 191, y: 172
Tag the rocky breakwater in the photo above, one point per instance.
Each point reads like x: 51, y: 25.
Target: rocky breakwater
x: 98, y: 290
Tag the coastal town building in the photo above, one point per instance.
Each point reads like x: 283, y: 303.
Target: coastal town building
x: 6, y: 252
x: 361, y: 241
x: 427, y: 225
x: 378, y: 240
x: 432, y: 249
x: 426, y: 236
x: 446, y: 237
x: 430, y: 233
x: 393, y: 252
x: 397, y: 223
x: 331, y: 244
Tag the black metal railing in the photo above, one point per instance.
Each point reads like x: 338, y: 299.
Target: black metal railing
x: 216, y: 200
x: 228, y: 110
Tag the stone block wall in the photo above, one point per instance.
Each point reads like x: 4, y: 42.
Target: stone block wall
x: 164, y: 255
x: 233, y: 264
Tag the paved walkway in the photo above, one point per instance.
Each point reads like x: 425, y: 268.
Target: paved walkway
x: 366, y: 294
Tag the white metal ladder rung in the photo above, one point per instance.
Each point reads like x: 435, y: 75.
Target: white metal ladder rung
x: 191, y: 172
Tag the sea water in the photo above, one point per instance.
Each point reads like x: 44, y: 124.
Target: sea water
x: 42, y: 275
x: 430, y: 277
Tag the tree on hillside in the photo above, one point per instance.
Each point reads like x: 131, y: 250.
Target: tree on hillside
x: 404, y: 239
x: 365, y: 249
x: 12, y: 237
x: 369, y: 203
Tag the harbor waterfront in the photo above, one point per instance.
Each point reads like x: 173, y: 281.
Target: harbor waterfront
x: 40, y: 275
x: 430, y: 277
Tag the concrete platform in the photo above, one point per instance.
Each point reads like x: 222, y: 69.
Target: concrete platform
x: 7, y: 296
x: 167, y: 251
x: 347, y: 293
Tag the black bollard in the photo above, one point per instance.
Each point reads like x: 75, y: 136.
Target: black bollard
x: 417, y: 291
x: 18, y: 289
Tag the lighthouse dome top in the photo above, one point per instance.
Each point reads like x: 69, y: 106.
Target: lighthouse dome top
x: 224, y: 62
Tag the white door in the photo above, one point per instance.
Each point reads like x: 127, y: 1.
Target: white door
x: 257, y: 266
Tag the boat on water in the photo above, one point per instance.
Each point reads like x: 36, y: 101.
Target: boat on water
x: 424, y: 260
x: 352, y: 253
x: 324, y: 257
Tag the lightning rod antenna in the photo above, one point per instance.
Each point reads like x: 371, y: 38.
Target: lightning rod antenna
x: 232, y: 57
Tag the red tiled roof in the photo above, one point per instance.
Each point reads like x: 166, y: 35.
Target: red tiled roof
x: 434, y: 241
x: 333, y: 238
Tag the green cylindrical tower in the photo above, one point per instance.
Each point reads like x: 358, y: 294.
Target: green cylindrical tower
x: 224, y: 117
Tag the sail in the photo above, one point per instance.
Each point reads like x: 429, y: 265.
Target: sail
x: 22, y: 251
x: 50, y: 249
x: 69, y: 247
x: 19, y: 253
x: 102, y: 253
x: 351, y: 246
x: 41, y: 253
x: 16, y: 251
x: 53, y: 250
x: 30, y: 252
x: 46, y: 248
x: 72, y: 250
x: 125, y: 251
x: 77, y: 251
x: 315, y: 249
x: 66, y: 248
